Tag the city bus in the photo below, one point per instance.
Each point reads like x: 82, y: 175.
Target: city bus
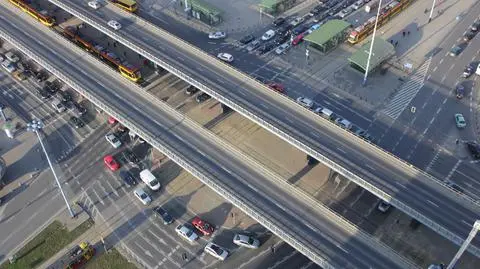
x: 128, y: 5
x: 41, y: 16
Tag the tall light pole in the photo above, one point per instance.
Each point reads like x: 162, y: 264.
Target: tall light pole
x: 473, y: 232
x: 371, y: 45
x: 431, y: 12
x: 34, y: 126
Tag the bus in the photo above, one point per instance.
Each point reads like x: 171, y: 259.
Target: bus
x: 41, y: 16
x: 128, y: 5
x: 127, y: 70
x: 386, y: 14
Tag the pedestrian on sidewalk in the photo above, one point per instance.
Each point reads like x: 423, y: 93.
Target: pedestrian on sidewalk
x: 391, y: 41
x: 457, y: 141
x: 396, y: 43
x: 408, y: 32
x: 403, y: 33
x: 272, y: 248
x: 184, y: 256
x: 425, y: 11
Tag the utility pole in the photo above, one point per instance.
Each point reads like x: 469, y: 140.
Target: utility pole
x: 34, y: 126
x: 371, y: 44
x: 431, y: 12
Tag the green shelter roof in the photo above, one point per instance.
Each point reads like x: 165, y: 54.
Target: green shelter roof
x: 270, y: 4
x: 327, y: 31
x: 382, y: 50
x: 204, y: 7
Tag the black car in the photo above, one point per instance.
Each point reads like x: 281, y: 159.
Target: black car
x: 469, y: 70
x: 281, y: 39
x: 316, y: 10
x: 202, y: 97
x: 474, y: 149
x: 266, y: 48
x: 130, y: 157
x: 2, y: 105
x: 284, y: 30
x: 247, y: 39
x: 76, y: 122
x: 469, y: 35
x: 128, y: 178
x: 300, y: 29
x: 64, y: 96
x: 475, y: 26
x: 49, y: 88
x: 279, y: 21
x: 79, y: 109
x: 191, y: 90
x: 161, y: 213
x: 41, y: 76
x: 44, y: 94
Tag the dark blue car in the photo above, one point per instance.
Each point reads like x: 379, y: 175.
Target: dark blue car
x: 128, y: 178
x: 167, y: 219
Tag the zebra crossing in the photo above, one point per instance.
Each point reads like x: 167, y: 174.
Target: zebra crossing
x: 407, y: 92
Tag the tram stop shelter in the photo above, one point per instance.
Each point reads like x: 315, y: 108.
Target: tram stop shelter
x: 382, y: 51
x: 328, y: 36
x: 203, y: 11
x: 274, y: 7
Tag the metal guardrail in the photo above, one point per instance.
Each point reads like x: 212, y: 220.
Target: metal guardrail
x: 274, y: 129
x: 249, y: 208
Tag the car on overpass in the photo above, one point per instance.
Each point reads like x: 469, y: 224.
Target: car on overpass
x: 94, y: 4
x: 114, y: 24
x: 217, y: 35
x: 225, y: 57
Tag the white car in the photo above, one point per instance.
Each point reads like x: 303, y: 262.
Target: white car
x: 305, y: 102
x: 114, y: 24
x: 268, y: 35
x: 186, y: 232
x: 225, y: 57
x: 217, y: 35
x: 282, y: 48
x: 246, y: 241
x: 94, y: 4
x: 113, y: 140
x: 12, y: 57
x: 142, y: 196
x: 7, y: 65
x: 58, y: 105
x: 297, y: 21
x: 358, y: 4
x: 216, y: 251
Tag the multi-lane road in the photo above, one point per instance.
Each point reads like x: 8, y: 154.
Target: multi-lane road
x: 408, y: 187
x: 325, y: 234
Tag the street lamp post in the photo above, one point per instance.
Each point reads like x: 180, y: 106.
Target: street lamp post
x: 431, y: 12
x: 34, y: 126
x: 473, y: 232
x: 371, y: 45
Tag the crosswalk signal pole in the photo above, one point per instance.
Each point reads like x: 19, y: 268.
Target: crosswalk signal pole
x: 371, y: 44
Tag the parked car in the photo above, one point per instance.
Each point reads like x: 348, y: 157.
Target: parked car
x: 58, y: 105
x: 469, y: 35
x: 316, y: 10
x: 163, y: 214
x: 111, y: 163
x: 284, y: 30
x: 469, y: 70
x: 43, y: 93
x: 77, y: 123
x: 282, y: 48
x: 268, y: 35
x: 475, y: 26
x: 225, y: 57
x: 460, y: 121
x: 280, y: 39
x: 113, y: 140
x: 217, y: 35
x: 279, y: 21
x: 459, y: 90
x: 19, y: 75
x: 253, y: 46
x: 8, y: 66
x: 64, y: 96
x: 204, y: 227
x: 216, y: 251
x: 202, y: 97
x: 128, y: 178
x: 41, y: 76
x: 266, y: 48
x: 383, y: 206
x: 455, y: 51
x: 247, y: 39
x: 358, y: 4
x: 474, y: 149
x: 246, y: 241
x: 186, y: 232
x: 12, y: 57
x: 114, y: 24
x: 130, y: 157
x: 142, y: 196
x: 305, y: 102
x: 111, y: 120
x: 298, y: 39
x: 299, y: 29
x: 78, y: 109
x: 94, y: 4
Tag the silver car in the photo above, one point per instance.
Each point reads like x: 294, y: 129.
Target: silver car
x: 282, y: 48
x: 246, y: 241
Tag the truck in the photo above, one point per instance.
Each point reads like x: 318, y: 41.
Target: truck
x: 76, y: 257
x: 371, y: 5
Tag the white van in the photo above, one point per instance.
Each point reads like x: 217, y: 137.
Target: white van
x: 149, y: 179
x: 326, y: 113
x: 346, y: 124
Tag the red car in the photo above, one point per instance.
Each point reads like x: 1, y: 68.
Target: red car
x: 203, y: 226
x: 276, y: 87
x: 112, y: 120
x: 111, y: 163
x: 298, y: 39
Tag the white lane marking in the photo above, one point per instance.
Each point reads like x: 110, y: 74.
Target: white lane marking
x: 341, y: 150
x: 401, y: 185
x: 432, y: 203
x: 467, y: 223
x: 288, y: 120
x: 264, y: 105
x: 369, y: 166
